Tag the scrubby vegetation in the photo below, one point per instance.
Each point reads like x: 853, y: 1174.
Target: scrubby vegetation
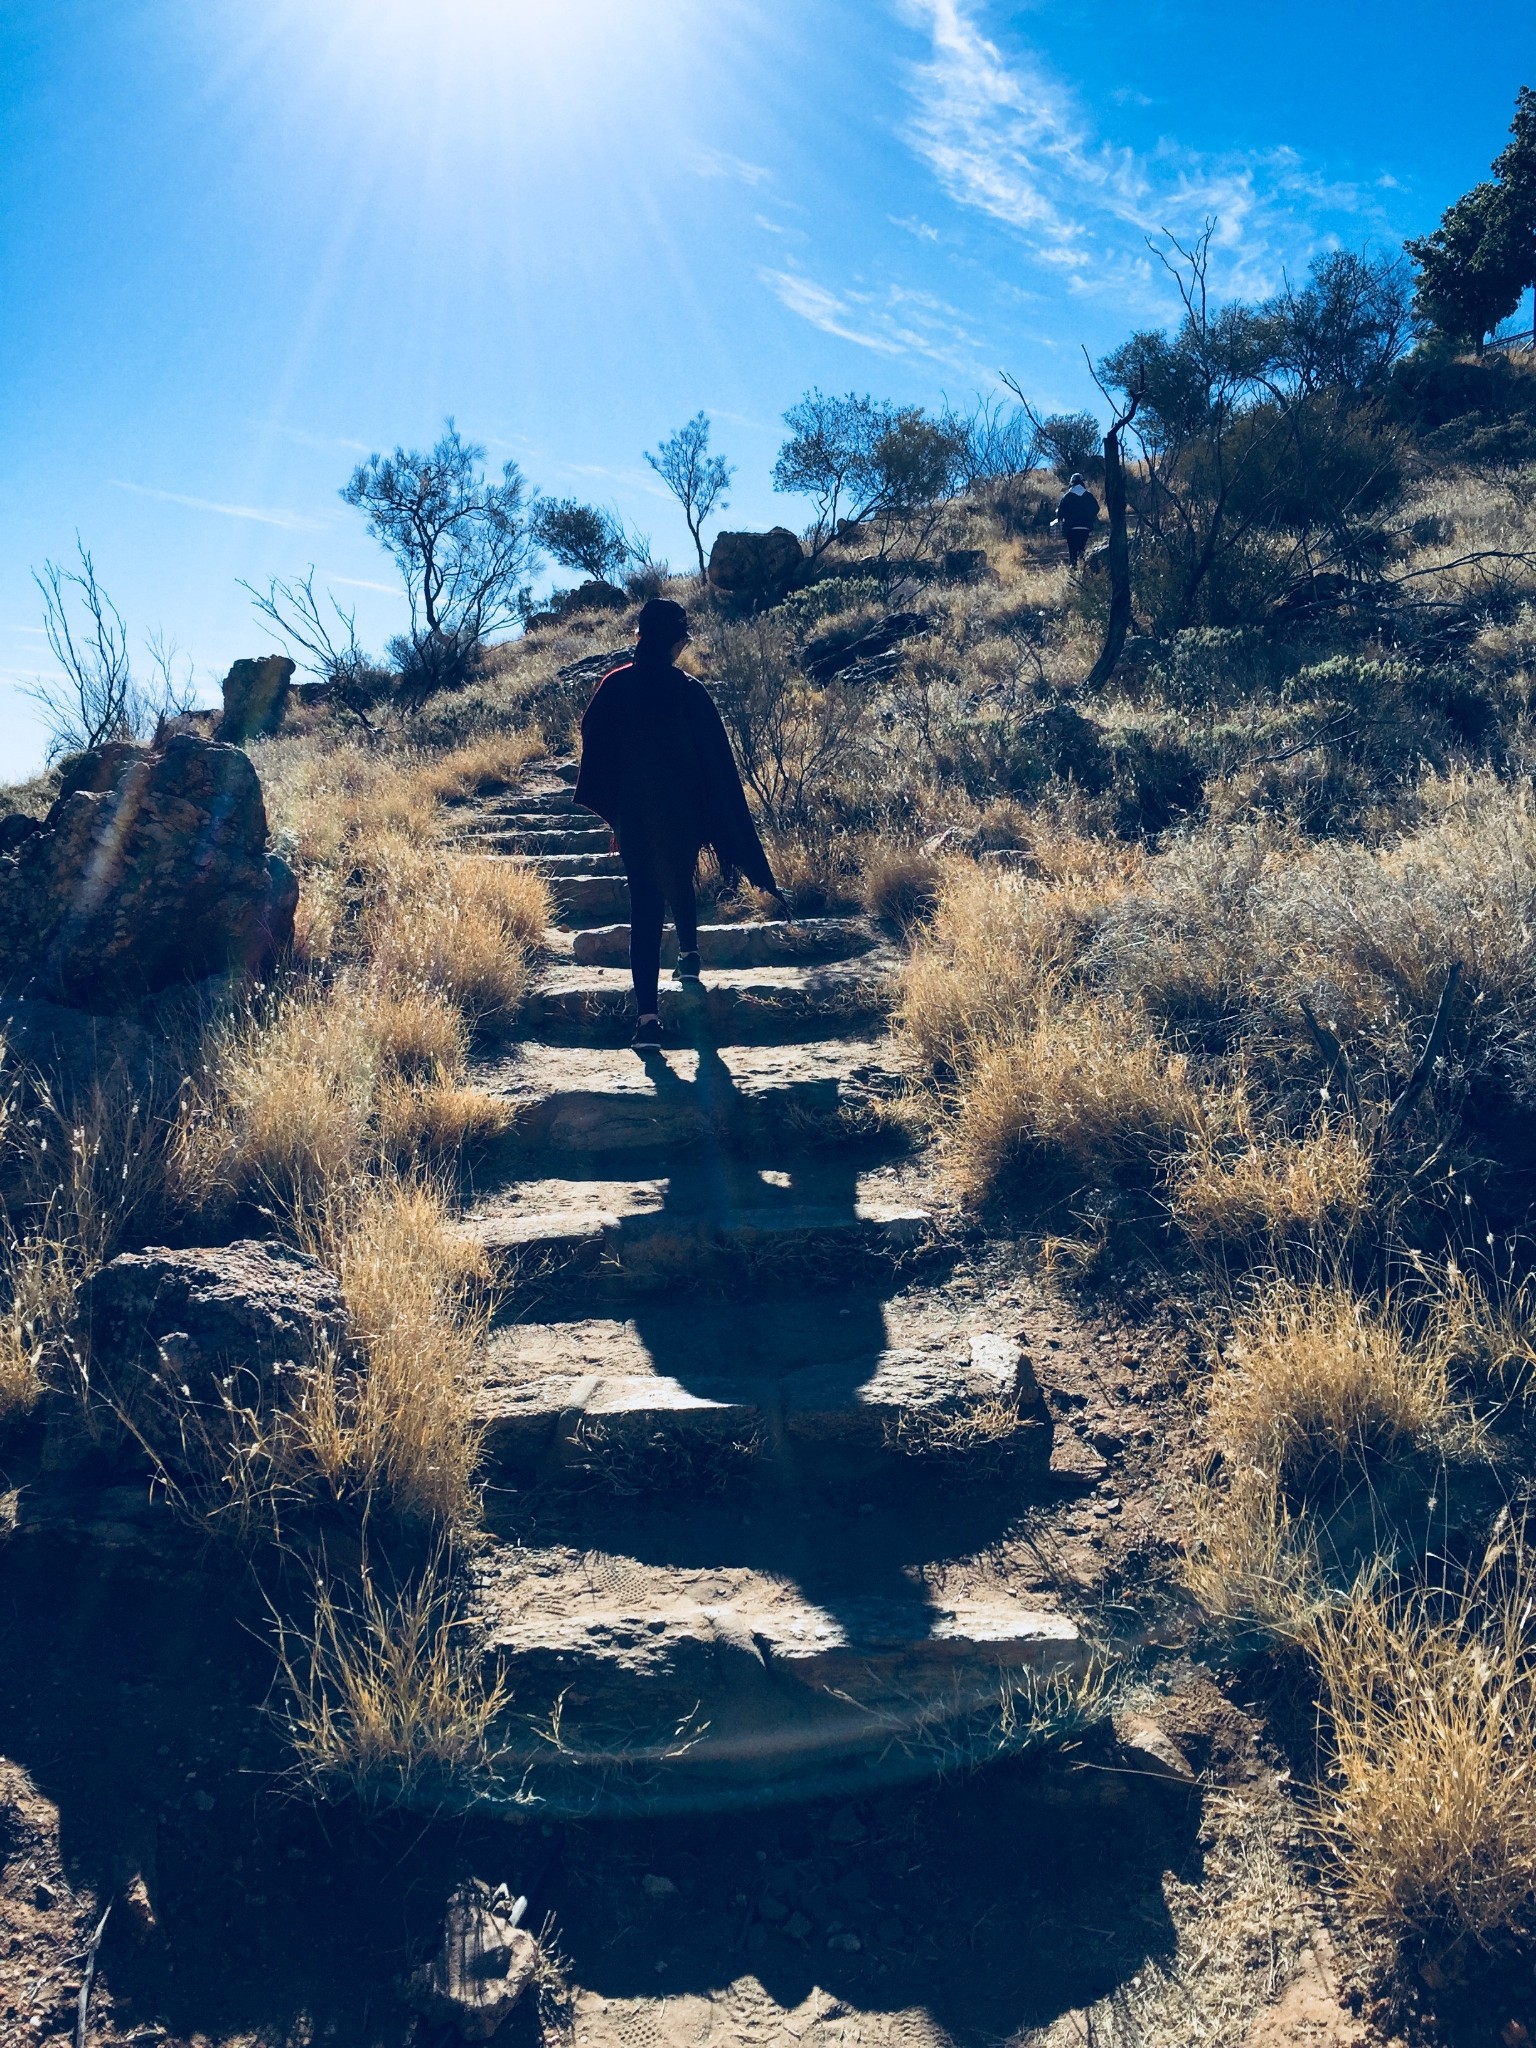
x: 1220, y: 970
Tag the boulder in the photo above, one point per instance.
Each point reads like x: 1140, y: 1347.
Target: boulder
x: 151, y: 868
x: 483, y: 1967
x: 178, y: 1339
x: 255, y: 697
x: 751, y: 571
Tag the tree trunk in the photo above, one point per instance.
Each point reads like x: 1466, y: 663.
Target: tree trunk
x: 1119, y: 623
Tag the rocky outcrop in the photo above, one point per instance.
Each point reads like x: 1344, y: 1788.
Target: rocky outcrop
x: 151, y: 868
x: 872, y: 652
x: 484, y: 1965
x: 177, y: 1341
x: 591, y: 596
x: 255, y: 697
x: 750, y: 571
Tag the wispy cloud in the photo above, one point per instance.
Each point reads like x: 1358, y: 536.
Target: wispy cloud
x: 895, y: 321
x: 918, y: 228
x: 1007, y: 138
x: 362, y: 583
x: 719, y: 163
x: 289, y: 522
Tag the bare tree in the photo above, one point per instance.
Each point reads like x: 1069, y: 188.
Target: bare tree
x: 697, y: 479
x: 859, y: 459
x: 92, y: 699
x: 331, y: 650
x: 461, y: 542
x: 175, y: 691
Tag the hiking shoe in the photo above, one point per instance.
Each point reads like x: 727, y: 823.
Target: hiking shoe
x: 647, y: 1036
x: 689, y: 967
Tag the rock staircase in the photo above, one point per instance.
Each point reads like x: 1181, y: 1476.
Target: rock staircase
x: 734, y: 1382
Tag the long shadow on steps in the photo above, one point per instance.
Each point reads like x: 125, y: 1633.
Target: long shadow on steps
x: 803, y: 1511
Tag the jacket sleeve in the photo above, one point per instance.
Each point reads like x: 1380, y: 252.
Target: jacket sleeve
x: 732, y: 832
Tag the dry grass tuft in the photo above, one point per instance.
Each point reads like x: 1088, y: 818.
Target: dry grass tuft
x: 80, y: 1178
x: 462, y: 925
x: 1252, y: 1560
x: 1270, y: 1193
x: 39, y: 1285
x: 1432, y: 1727
x: 998, y: 941
x: 402, y: 1430
x: 901, y: 884
x: 384, y: 1698
x: 1084, y: 1087
x: 1317, y: 1377
x: 282, y: 1107
x: 492, y: 761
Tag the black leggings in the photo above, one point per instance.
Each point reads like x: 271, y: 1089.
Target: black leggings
x: 1077, y: 540
x: 654, y: 884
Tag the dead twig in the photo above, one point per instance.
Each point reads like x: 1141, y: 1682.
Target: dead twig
x: 83, y: 2003
x: 1335, y: 1058
x: 1418, y: 1080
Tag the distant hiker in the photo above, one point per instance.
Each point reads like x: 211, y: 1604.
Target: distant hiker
x: 1077, y: 515
x: 657, y: 765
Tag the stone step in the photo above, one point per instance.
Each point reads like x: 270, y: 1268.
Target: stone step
x: 591, y: 899
x: 571, y: 866
x: 643, y: 1687
x: 629, y: 1400
x: 535, y: 805
x: 772, y: 942
x: 494, y: 838
x: 512, y: 817
x: 610, y: 1239
x: 578, y: 1102
x: 738, y: 1006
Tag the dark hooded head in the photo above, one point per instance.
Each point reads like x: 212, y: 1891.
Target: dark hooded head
x: 662, y: 624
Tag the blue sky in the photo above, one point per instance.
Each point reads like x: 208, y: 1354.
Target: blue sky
x: 243, y: 242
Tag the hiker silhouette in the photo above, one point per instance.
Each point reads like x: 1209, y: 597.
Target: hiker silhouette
x: 1077, y: 514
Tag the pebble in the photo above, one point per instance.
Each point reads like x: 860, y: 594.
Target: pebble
x: 773, y: 1909
x: 797, y: 1927
x: 657, y: 1887
x: 846, y: 1827
x: 847, y: 1941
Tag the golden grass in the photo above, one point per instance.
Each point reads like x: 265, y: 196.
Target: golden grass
x: 1431, y: 1704
x: 402, y: 1430
x: 462, y: 925
x: 384, y: 1697
x: 39, y: 1286
x: 901, y: 884
x: 1269, y: 1193
x: 491, y: 761
x: 282, y: 1108
x: 999, y: 938
x: 1314, y: 1377
x: 1252, y: 1559
x: 81, y: 1179
x: 1084, y: 1087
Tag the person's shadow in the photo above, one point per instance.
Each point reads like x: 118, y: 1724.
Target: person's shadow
x: 780, y: 1314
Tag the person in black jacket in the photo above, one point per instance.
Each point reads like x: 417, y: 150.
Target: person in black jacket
x: 656, y: 764
x: 1077, y: 515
